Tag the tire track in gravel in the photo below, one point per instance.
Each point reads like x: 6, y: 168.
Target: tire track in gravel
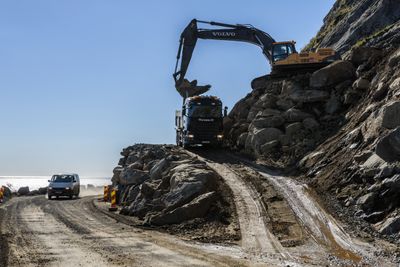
x: 257, y: 240
x: 327, y: 232
x: 86, y: 237
x: 119, y: 244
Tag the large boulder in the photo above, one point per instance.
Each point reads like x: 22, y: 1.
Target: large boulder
x: 197, y: 208
x: 268, y: 122
x: 240, y: 110
x: 130, y: 176
x: 289, y: 87
x: 270, y: 112
x: 130, y: 194
x: 361, y: 84
x: 42, y: 190
x: 23, y: 191
x: 187, y: 182
x: 293, y: 128
x: 241, y: 141
x: 392, y: 183
x: 367, y: 201
x: 296, y: 115
x: 360, y: 55
x: 310, y: 124
x: 390, y: 226
x: 265, y: 135
x: 332, y: 74
x: 158, y: 168
x: 269, y: 147
x: 388, y: 148
x: 391, y: 115
x: 309, y: 96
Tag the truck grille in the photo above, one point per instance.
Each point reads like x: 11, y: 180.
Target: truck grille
x: 205, y: 130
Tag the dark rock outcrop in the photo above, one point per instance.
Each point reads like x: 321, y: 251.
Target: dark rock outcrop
x: 23, y: 191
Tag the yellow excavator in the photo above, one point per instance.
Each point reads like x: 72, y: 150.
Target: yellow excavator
x: 282, y: 56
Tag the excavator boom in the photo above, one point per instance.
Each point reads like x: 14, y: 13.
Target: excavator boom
x: 282, y: 56
x: 188, y: 40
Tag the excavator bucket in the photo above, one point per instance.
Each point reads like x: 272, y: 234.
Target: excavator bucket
x: 188, y: 89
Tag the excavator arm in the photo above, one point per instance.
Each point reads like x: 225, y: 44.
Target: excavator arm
x: 228, y: 32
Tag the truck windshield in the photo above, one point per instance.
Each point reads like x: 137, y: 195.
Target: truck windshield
x: 208, y: 111
x: 62, y: 178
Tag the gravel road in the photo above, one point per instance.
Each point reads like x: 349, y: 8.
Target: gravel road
x: 35, y: 231
x: 42, y: 232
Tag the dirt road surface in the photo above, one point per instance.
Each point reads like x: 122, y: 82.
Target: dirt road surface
x: 40, y: 232
x: 326, y: 241
x: 36, y: 231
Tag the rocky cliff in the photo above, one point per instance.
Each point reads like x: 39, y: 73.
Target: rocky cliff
x: 358, y: 23
x: 340, y: 126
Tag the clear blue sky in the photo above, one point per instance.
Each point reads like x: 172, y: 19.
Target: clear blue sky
x: 80, y: 80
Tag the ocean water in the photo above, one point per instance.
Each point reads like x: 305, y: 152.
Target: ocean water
x: 34, y: 182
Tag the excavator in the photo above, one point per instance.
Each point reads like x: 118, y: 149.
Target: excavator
x: 282, y: 56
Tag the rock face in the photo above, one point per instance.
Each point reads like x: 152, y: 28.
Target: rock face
x: 350, y: 22
x: 359, y: 163
x: 283, y: 119
x: 341, y: 124
x: 164, y: 185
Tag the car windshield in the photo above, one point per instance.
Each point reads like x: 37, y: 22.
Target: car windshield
x: 208, y: 111
x: 62, y: 178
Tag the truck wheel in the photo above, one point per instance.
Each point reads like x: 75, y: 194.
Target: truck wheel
x: 49, y: 197
x: 70, y: 196
x: 178, y: 140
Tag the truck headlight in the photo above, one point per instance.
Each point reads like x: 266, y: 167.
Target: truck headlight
x: 67, y: 188
x: 220, y: 136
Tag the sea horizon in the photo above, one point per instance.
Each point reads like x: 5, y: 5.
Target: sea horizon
x: 36, y: 181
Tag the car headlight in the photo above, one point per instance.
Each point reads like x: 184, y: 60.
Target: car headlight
x: 220, y: 136
x: 50, y: 188
x: 191, y: 136
x: 67, y: 188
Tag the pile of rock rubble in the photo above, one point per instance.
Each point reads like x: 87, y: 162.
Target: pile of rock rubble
x: 161, y: 185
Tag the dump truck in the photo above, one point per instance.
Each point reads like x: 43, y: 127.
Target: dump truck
x: 200, y: 121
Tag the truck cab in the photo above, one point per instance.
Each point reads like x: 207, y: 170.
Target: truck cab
x: 200, y: 122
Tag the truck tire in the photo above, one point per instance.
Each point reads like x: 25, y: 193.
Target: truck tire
x: 178, y: 139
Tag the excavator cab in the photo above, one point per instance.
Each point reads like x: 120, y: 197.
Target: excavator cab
x: 282, y: 50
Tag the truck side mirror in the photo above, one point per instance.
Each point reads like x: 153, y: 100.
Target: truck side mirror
x: 225, y: 111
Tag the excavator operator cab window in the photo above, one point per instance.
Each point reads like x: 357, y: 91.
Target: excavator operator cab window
x: 282, y: 51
